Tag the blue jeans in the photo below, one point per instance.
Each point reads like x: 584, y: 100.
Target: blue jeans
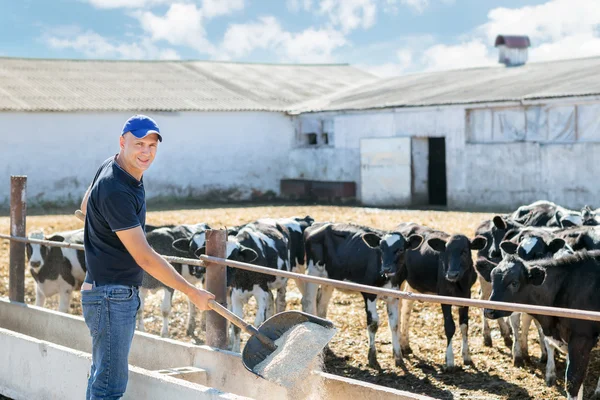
x: 109, y: 312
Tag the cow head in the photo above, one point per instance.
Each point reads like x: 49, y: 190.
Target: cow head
x: 499, y: 227
x: 588, y: 216
x: 393, y: 246
x: 37, y: 253
x: 531, y: 246
x: 455, y: 254
x: 511, y: 282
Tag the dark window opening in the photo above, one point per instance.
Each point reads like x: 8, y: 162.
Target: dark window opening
x: 311, y: 139
x: 324, y: 138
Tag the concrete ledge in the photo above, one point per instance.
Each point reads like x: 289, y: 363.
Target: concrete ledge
x: 190, y: 374
x: 36, y: 369
x: 224, y: 370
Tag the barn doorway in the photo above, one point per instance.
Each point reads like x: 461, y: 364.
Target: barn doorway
x: 436, y: 171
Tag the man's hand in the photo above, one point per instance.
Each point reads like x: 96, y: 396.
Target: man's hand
x: 200, y: 298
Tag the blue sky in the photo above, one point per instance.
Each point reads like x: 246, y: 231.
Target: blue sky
x: 386, y: 37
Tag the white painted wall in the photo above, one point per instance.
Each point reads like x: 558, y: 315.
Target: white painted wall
x: 201, y: 152
x: 484, y: 176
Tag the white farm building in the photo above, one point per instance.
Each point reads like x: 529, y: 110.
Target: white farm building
x: 473, y: 138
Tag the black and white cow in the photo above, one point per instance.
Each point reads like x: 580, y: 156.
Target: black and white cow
x: 529, y: 243
x: 260, y: 244
x: 161, y: 240
x: 442, y: 265
x: 547, y: 213
x: 569, y: 282
x: 296, y: 227
x: 493, y: 231
x: 581, y: 237
x: 56, y: 270
x: 351, y: 252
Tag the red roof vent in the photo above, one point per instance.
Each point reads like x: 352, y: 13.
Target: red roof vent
x: 512, y: 50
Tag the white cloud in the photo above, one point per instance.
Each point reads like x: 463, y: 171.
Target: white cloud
x: 418, y: 5
x: 241, y: 39
x: 94, y: 45
x: 215, y: 8
x: 313, y: 45
x: 310, y: 45
x: 349, y: 14
x: 127, y: 3
x: 182, y: 25
x: 474, y: 53
x: 558, y: 29
x: 297, y: 5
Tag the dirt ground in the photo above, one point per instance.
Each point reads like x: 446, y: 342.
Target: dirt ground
x: 492, y: 377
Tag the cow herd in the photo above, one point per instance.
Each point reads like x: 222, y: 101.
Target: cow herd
x: 541, y: 254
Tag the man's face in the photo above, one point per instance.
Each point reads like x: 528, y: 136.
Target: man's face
x: 139, y: 153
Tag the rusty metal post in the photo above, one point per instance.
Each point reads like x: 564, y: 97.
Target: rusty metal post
x: 18, y: 212
x: 216, y: 283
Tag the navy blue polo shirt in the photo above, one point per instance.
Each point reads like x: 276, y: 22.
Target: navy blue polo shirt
x: 117, y: 201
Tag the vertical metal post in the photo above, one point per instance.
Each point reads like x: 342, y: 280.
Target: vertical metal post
x: 18, y: 212
x: 216, y: 283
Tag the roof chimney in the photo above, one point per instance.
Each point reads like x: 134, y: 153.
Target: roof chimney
x: 512, y: 50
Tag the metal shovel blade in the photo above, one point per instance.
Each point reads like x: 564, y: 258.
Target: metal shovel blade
x: 256, y: 352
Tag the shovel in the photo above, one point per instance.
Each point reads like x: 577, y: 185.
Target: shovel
x: 262, y: 340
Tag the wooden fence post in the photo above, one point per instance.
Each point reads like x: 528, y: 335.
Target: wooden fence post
x: 18, y: 212
x: 216, y: 283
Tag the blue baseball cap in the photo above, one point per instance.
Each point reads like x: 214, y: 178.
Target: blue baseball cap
x: 140, y: 126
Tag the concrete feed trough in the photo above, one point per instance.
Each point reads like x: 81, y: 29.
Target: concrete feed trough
x: 46, y: 355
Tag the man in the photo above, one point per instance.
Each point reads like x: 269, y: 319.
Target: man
x: 116, y: 252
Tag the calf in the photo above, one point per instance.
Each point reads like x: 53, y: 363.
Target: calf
x: 493, y: 231
x: 530, y: 243
x: 161, y: 240
x: 296, y: 227
x: 352, y: 252
x: 442, y: 265
x: 261, y: 244
x: 569, y: 282
x: 56, y: 270
x: 546, y: 213
x: 581, y: 237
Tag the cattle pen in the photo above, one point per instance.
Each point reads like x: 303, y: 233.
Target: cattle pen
x: 215, y: 279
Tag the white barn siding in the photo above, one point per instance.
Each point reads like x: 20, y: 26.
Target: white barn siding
x: 233, y: 153
x: 492, y: 175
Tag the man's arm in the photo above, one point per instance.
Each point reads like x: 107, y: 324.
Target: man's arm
x: 136, y: 244
x: 84, y: 201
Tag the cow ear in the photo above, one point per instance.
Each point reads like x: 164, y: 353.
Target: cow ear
x: 247, y: 254
x: 181, y: 244
x: 509, y: 247
x: 510, y: 234
x: 199, y: 251
x: 56, y: 238
x: 372, y: 240
x: 499, y: 222
x: 478, y: 243
x: 485, y: 267
x: 536, y: 276
x: 414, y: 241
x: 556, y: 244
x: 437, y: 244
x: 566, y: 223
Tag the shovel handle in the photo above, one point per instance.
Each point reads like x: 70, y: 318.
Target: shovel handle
x: 240, y: 323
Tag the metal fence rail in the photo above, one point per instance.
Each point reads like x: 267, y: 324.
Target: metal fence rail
x: 209, y: 261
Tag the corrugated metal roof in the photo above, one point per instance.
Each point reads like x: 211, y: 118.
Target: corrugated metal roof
x: 566, y: 78
x: 95, y: 85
